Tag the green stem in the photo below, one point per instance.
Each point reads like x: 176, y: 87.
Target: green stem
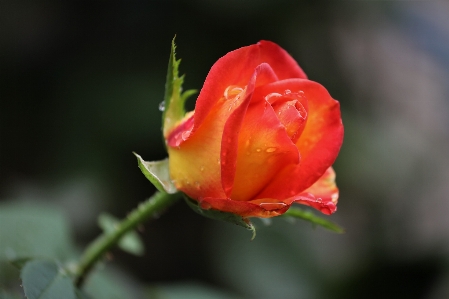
x: 95, y: 251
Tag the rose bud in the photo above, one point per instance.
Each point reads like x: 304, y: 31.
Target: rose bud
x: 262, y: 137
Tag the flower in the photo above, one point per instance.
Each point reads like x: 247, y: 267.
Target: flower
x: 262, y: 137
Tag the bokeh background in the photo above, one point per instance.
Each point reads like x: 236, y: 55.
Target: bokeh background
x: 80, y: 85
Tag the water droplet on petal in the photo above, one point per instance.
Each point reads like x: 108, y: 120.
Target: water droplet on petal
x: 319, y: 200
x: 232, y: 91
x: 301, y: 110
x: 287, y: 91
x: 205, y: 205
x: 185, y: 135
x: 202, y: 168
x: 197, y: 185
x: 301, y: 93
x: 258, y: 150
x: 269, y: 206
x: 270, y: 149
x: 271, y: 96
x: 162, y: 106
x: 334, y: 197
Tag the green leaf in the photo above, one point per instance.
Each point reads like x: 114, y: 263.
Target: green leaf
x: 20, y: 262
x: 42, y: 279
x: 28, y: 230
x: 130, y: 242
x: 158, y: 174
x: 174, y: 99
x: 223, y: 216
x: 309, y: 216
x: 108, y: 283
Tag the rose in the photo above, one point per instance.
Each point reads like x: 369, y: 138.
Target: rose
x: 262, y: 136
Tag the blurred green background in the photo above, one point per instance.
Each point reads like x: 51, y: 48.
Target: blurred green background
x: 80, y: 84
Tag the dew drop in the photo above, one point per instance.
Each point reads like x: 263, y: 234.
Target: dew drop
x: 319, y: 200
x: 269, y: 206
x: 270, y: 149
x: 301, y: 110
x: 301, y: 92
x: 334, y: 197
x: 287, y: 91
x: 205, y: 205
x: 185, y: 135
x: 197, y: 185
x: 258, y: 150
x: 232, y: 91
x: 269, y: 96
x: 162, y: 106
x: 202, y: 168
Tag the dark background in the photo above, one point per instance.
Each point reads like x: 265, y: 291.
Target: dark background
x: 80, y: 84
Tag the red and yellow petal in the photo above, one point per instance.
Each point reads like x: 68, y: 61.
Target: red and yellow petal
x: 322, y: 195
x: 237, y: 67
x: 264, y: 149
x: 195, y: 168
x: 236, y: 127
x: 318, y: 144
x: 325, y: 188
x: 282, y: 63
x: 203, y: 159
x: 245, y: 208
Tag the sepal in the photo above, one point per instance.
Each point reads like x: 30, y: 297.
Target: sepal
x: 294, y: 212
x: 157, y: 173
x: 174, y: 98
x: 219, y: 215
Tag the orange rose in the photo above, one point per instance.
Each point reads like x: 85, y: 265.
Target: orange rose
x: 262, y: 137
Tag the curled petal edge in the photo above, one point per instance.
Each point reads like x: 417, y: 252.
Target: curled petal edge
x: 322, y: 195
x: 265, y: 208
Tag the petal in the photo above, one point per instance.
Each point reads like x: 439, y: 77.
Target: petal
x: 234, y: 135
x: 325, y: 188
x: 237, y: 67
x: 195, y: 157
x: 245, y: 208
x: 323, y: 194
x: 282, y: 63
x: 318, y: 144
x: 200, y: 158
x: 264, y: 149
x: 291, y: 110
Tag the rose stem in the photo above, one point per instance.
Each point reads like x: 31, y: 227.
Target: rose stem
x: 96, y: 249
